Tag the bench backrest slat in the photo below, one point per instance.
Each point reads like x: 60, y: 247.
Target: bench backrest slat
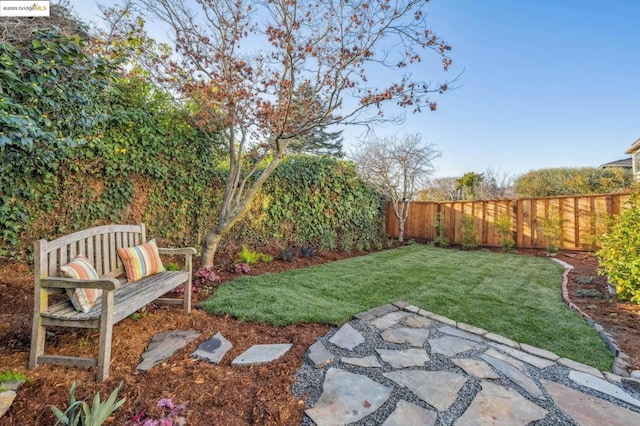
x: 98, y: 244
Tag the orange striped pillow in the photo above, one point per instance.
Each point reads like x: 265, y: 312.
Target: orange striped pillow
x: 141, y: 261
x: 81, y: 269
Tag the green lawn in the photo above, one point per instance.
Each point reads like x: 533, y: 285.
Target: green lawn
x: 518, y: 297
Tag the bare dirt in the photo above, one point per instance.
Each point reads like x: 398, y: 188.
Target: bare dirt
x: 215, y: 394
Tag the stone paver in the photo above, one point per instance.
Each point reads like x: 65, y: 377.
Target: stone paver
x: 319, y: 355
x: 368, y: 361
x: 417, y: 321
x: 402, y: 359
x: 524, y: 356
x: 260, y: 354
x: 163, y: 345
x: 475, y: 368
x: 347, y: 398
x: 213, y: 350
x: 410, y: 414
x: 516, y: 376
x: 413, y: 336
x: 389, y: 320
x: 497, y: 405
x: 457, y: 332
x: 580, y: 367
x: 601, y: 385
x: 347, y: 338
x: 450, y: 345
x: 437, y: 388
x: 588, y: 410
x: 511, y: 390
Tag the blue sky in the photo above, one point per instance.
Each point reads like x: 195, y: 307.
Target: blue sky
x: 545, y: 83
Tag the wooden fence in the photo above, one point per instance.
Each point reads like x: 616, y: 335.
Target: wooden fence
x: 579, y: 219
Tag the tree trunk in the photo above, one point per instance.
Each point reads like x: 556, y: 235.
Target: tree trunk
x: 209, y: 248
x: 400, y: 229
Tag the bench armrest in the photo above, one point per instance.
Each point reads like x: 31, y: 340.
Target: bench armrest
x: 102, y: 283
x: 181, y: 250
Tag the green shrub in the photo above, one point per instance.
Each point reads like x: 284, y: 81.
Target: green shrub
x: 552, y: 230
x: 346, y: 241
x: 440, y: 239
x: 359, y: 246
x: 468, y: 233
x: 589, y: 293
x: 288, y: 254
x: 619, y: 256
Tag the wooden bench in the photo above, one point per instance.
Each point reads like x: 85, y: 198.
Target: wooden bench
x: 118, y: 300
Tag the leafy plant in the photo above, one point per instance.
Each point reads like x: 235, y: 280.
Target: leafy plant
x: 167, y: 416
x: 308, y: 250
x: 359, y: 246
x: 266, y: 258
x: 503, y: 226
x: 589, y: 292
x: 346, y: 241
x: 288, y: 254
x: 9, y: 376
x: 80, y: 413
x: 440, y: 239
x: 172, y: 266
x: 247, y: 256
x: 552, y: 230
x: 378, y: 245
x: 619, y: 256
x: 240, y: 268
x: 582, y: 279
x: 468, y: 233
x: 328, y: 240
x: 204, y: 277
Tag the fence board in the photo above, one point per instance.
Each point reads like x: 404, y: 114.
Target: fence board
x: 581, y: 217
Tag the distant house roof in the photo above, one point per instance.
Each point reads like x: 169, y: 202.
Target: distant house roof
x: 633, y: 148
x: 625, y: 163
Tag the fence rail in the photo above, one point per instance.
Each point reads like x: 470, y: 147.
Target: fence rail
x: 579, y: 219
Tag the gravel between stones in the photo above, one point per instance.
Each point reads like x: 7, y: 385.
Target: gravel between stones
x: 309, y: 380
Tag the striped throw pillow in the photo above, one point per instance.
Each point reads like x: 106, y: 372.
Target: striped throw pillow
x: 141, y: 261
x: 81, y: 269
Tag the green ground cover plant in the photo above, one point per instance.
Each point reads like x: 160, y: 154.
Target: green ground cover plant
x: 515, y: 296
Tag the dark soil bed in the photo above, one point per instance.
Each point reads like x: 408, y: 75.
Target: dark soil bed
x: 215, y: 394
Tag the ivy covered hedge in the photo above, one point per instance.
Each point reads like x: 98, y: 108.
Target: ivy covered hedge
x: 113, y: 148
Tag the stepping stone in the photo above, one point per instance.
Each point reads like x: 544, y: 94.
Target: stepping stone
x: 347, y: 398
x: 319, y: 355
x: 382, y: 310
x: 213, y: 350
x: 588, y: 410
x: 523, y: 356
x: 437, y: 388
x: 6, y: 399
x: 515, y: 375
x: 347, y: 338
x: 459, y: 333
x: 163, y: 345
x: 417, y: 321
x: 413, y: 336
x: 389, y: 320
x: 497, y: 405
x: 450, y: 345
x: 476, y: 368
x: 601, y: 385
x: 402, y: 359
x: 410, y: 414
x: 260, y: 354
x: 368, y: 361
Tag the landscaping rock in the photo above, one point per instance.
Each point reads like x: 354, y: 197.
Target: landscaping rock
x: 413, y: 336
x: 450, y: 345
x: 319, y: 355
x: 368, y: 361
x: 437, y: 388
x: 213, y: 350
x: 347, y: 338
x: 6, y: 399
x: 260, y: 354
x: 402, y: 359
x: 601, y: 385
x: 476, y: 368
x: 163, y: 345
x: 410, y: 414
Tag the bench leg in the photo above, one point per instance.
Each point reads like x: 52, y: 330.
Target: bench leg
x: 38, y: 332
x: 106, y: 335
x: 38, y: 335
x: 187, y: 285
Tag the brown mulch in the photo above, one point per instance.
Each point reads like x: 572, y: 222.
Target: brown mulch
x: 215, y: 394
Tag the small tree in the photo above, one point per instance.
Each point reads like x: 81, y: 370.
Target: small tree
x: 268, y: 74
x: 396, y: 168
